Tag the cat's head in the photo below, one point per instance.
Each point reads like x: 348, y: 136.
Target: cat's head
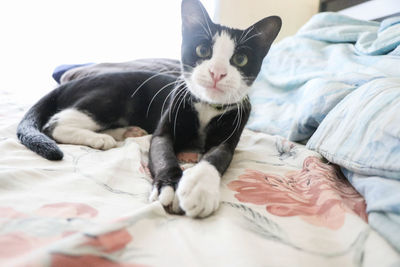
x: 220, y: 63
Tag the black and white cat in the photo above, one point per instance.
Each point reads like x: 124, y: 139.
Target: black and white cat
x: 204, y: 108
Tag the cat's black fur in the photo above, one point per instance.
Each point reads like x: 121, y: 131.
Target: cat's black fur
x: 121, y: 99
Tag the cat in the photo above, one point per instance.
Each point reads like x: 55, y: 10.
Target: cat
x: 204, y: 108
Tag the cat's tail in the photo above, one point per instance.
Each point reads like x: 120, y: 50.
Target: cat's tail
x: 29, y: 129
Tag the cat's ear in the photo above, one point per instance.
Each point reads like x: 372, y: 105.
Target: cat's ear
x: 194, y: 16
x: 265, y: 31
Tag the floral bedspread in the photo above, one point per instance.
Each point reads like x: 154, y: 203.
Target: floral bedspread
x: 281, y: 205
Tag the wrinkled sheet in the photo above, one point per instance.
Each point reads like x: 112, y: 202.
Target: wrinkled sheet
x: 335, y: 86
x: 281, y: 205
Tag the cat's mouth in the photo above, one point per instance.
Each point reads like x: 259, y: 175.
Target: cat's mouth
x: 215, y: 88
x: 212, y: 87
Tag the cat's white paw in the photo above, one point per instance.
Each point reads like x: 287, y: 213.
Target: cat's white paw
x: 167, y: 198
x: 102, y: 141
x: 167, y: 195
x: 198, y: 190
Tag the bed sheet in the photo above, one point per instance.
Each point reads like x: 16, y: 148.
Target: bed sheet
x: 281, y: 205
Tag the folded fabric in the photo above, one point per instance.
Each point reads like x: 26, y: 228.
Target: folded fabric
x: 362, y: 132
x: 60, y: 70
x: 383, y: 197
x: 335, y: 85
x: 306, y: 75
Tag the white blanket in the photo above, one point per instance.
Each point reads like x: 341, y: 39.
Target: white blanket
x: 281, y: 205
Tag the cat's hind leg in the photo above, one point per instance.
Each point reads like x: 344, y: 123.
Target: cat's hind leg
x: 72, y: 126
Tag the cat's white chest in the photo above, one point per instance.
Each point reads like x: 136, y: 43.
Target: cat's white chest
x: 205, y: 114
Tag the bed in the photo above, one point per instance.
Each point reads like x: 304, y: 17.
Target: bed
x: 314, y: 180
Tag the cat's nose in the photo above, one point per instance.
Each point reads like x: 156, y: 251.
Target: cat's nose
x: 217, y: 74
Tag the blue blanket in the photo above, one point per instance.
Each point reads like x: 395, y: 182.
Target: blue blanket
x: 335, y: 86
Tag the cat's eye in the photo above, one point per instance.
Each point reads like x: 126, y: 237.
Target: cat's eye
x: 203, y: 50
x: 240, y: 60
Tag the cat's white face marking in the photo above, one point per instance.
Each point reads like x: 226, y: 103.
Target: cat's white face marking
x: 215, y: 80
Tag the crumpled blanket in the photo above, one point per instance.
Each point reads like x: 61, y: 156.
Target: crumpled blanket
x: 335, y: 86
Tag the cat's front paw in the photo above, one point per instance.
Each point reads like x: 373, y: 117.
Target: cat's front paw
x: 167, y: 197
x: 198, y: 190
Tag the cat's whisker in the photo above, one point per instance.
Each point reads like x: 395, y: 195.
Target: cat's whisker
x: 223, y: 113
x: 205, y: 18
x: 155, y: 95
x: 186, y: 94
x: 150, y: 78
x: 177, y: 111
x: 207, y: 31
x: 241, y: 114
x: 225, y: 109
x: 245, y: 33
x: 178, y: 100
x: 236, y: 125
x: 174, y: 101
x: 244, y: 46
x: 166, y: 99
x: 240, y: 38
x: 254, y: 35
x: 237, y: 115
x: 178, y: 97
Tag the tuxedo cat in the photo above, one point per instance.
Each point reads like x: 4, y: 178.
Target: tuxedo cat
x: 203, y: 108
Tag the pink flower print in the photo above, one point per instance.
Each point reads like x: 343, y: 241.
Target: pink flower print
x: 67, y: 210
x: 17, y: 244
x: 318, y: 193
x: 60, y: 260
x: 10, y: 213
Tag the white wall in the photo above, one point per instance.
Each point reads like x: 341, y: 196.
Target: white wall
x: 38, y: 35
x: 243, y: 13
